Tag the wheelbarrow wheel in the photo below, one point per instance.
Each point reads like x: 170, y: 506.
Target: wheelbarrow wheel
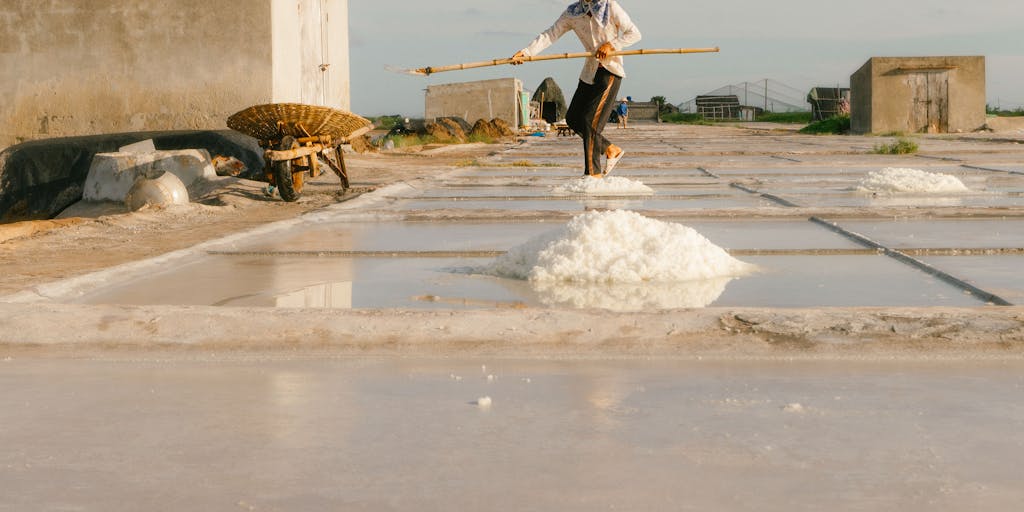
x: 289, y: 184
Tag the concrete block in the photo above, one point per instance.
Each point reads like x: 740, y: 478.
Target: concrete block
x: 143, y: 146
x: 112, y: 175
x: 1005, y: 124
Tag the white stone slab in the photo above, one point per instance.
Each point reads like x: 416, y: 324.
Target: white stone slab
x: 112, y: 175
x: 143, y: 146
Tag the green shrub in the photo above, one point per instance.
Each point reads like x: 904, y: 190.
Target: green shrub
x: 785, y: 117
x: 681, y: 118
x: 837, y: 125
x: 902, y: 146
x: 386, y: 122
x: 480, y: 137
x: 404, y: 141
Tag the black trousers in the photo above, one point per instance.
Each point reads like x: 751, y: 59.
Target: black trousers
x: 588, y: 113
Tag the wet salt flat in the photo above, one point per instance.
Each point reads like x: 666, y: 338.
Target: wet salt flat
x: 240, y: 407
x: 348, y: 259
x: 945, y: 233
x: 408, y: 434
x: 442, y: 283
x: 501, y: 236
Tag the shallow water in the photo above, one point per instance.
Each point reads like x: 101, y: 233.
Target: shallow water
x: 401, y: 434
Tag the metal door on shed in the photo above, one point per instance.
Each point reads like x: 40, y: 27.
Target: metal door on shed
x: 930, y: 101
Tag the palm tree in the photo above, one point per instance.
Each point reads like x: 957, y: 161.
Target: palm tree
x: 660, y: 100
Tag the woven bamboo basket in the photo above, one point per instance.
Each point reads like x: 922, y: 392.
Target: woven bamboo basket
x: 272, y: 121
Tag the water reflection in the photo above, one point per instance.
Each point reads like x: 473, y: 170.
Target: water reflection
x: 631, y: 297
x: 330, y: 295
x: 879, y: 200
x: 325, y: 295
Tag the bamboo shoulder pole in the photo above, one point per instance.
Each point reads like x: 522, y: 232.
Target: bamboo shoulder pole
x: 557, y: 56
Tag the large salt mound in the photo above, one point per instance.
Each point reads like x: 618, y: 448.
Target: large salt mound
x: 898, y: 180
x: 618, y: 247
x: 607, y: 186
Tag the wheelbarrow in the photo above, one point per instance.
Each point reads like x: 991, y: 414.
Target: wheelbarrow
x: 295, y: 139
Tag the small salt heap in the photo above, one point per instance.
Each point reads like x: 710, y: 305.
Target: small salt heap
x: 607, y: 186
x: 892, y: 180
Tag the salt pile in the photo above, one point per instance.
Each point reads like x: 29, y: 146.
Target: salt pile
x: 617, y: 247
x: 607, y: 186
x: 898, y: 180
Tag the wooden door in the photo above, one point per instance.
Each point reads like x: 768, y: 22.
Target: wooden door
x: 930, y: 97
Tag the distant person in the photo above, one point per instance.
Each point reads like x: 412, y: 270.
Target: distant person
x: 623, y: 112
x: 603, y: 27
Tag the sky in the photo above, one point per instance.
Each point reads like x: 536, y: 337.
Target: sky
x: 799, y: 43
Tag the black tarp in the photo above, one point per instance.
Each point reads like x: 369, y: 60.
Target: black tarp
x: 41, y: 178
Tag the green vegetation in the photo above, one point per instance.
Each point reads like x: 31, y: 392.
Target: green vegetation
x: 480, y: 137
x: 518, y: 163
x: 785, y: 117
x: 386, y: 122
x: 902, y: 146
x: 661, y: 102
x: 996, y: 111
x: 405, y: 141
x: 681, y: 118
x: 837, y: 125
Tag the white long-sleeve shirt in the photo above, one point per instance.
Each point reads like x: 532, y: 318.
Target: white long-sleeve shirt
x: 620, y: 32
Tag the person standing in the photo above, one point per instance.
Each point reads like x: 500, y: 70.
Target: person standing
x: 623, y: 112
x: 603, y: 27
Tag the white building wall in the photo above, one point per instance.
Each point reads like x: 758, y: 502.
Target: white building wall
x: 75, y: 67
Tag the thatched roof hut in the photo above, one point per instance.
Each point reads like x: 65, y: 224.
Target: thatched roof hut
x: 551, y: 100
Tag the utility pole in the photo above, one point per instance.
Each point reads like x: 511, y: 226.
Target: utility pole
x: 766, y: 95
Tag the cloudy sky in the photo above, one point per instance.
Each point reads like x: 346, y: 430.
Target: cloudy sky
x: 800, y: 43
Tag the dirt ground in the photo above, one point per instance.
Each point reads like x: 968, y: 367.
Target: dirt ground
x: 89, y: 237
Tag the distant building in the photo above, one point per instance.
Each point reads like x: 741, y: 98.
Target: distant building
x: 82, y: 68
x: 501, y: 98
x: 718, y: 106
x: 643, y: 111
x: 918, y: 95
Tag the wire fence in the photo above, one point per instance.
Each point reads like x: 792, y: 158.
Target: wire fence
x: 768, y: 95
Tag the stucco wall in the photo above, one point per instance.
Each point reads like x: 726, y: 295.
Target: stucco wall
x: 79, y: 67
x: 860, y: 99
x: 84, y: 67
x: 885, y: 83
x: 485, y: 99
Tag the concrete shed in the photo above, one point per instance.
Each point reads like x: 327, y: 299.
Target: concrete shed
x: 918, y: 95
x: 104, y: 66
x: 485, y: 99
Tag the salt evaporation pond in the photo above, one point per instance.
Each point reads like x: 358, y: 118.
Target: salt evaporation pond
x: 608, y: 186
x: 894, y: 180
x: 618, y: 247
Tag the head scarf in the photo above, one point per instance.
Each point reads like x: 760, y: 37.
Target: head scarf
x: 598, y: 8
